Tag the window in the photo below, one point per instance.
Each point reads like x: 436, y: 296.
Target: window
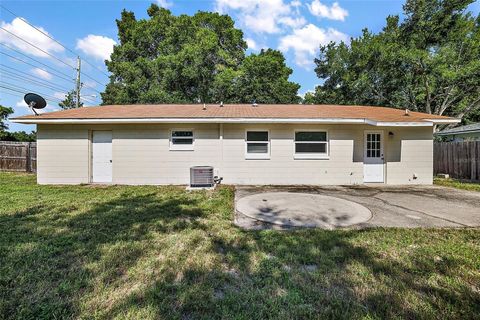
x: 374, y: 147
x: 181, y: 140
x: 257, y: 145
x: 311, y: 145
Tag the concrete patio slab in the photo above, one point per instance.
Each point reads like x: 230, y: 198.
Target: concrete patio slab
x: 390, y: 206
x: 303, y: 210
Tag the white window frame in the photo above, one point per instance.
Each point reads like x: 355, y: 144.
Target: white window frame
x: 182, y: 147
x: 313, y: 155
x: 257, y: 156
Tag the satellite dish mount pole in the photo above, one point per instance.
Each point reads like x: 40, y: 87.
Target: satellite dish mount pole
x: 32, y: 105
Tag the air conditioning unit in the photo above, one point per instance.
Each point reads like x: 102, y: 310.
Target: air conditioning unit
x: 201, y: 177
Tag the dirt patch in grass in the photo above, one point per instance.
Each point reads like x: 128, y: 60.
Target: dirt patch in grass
x: 161, y: 252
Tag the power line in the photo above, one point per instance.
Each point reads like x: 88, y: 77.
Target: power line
x: 78, y: 70
x: 50, y: 37
x: 19, y: 73
x: 39, y: 62
x: 84, y: 85
x: 86, y: 75
x: 12, y: 88
x: 30, y: 64
x: 22, y: 91
x: 87, y: 100
x: 9, y: 93
x: 29, y: 90
x: 46, y: 52
x: 22, y: 79
x: 90, y: 87
x: 26, y: 76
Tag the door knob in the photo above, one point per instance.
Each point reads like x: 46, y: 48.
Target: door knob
x: 110, y: 161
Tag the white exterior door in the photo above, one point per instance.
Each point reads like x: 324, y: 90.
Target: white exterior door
x: 102, y: 156
x: 373, y: 159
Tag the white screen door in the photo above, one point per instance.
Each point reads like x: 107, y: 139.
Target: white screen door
x: 373, y: 160
x: 102, y: 156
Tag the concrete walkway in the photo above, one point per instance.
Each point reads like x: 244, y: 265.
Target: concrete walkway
x: 349, y: 206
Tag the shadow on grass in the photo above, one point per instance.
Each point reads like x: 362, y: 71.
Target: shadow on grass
x: 306, y: 274
x: 195, y: 264
x: 55, y: 244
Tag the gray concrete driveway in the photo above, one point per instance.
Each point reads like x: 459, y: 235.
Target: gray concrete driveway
x: 390, y: 206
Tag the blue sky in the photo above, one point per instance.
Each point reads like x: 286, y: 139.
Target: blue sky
x: 88, y: 27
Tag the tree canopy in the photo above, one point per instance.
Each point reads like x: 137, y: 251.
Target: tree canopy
x: 4, y: 113
x: 12, y: 136
x: 185, y: 59
x: 70, y: 101
x: 261, y: 77
x: 429, y: 62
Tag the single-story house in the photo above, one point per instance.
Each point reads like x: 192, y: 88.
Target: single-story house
x: 245, y: 143
x: 469, y: 132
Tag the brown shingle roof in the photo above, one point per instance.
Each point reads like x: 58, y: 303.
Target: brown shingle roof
x: 214, y: 111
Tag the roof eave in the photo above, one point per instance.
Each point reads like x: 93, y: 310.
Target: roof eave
x: 425, y: 123
x: 457, y: 132
x: 444, y: 121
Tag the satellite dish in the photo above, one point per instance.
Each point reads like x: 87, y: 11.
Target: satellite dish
x: 35, y: 101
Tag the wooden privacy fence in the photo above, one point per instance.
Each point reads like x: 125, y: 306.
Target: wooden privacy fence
x: 460, y: 160
x: 18, y: 156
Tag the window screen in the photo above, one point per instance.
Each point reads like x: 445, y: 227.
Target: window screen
x: 257, y: 144
x: 181, y: 140
x: 311, y: 142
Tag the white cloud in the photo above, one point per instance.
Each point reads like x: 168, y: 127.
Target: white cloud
x: 335, y: 12
x: 305, y: 42
x: 296, y: 3
x: 251, y: 44
x: 293, y: 22
x: 263, y: 16
x: 164, y: 4
x: 21, y: 104
x: 42, y: 73
x: 28, y: 33
x: 99, y: 47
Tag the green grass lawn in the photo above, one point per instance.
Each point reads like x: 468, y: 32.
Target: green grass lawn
x: 163, y: 253
x: 453, y: 183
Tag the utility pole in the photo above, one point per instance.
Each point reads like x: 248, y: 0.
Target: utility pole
x: 78, y: 84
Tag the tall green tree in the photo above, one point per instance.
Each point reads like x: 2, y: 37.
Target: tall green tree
x: 12, y: 136
x: 428, y: 62
x: 70, y: 101
x: 4, y: 113
x: 185, y: 59
x: 261, y: 77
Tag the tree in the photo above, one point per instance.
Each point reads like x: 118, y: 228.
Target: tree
x: 429, y: 62
x: 12, y: 136
x: 186, y: 59
x: 4, y: 113
x: 261, y: 77
x: 19, y: 136
x: 70, y: 101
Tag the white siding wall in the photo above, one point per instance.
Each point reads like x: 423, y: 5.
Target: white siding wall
x: 141, y: 155
x: 62, y: 154
x: 409, y: 152
x: 282, y: 168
